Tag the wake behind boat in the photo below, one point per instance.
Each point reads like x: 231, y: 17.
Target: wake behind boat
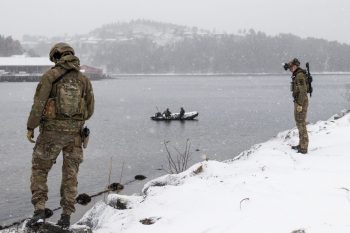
x: 175, y: 116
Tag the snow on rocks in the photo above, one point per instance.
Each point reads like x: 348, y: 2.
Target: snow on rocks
x: 269, y: 188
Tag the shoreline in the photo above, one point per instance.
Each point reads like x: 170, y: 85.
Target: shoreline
x: 36, y: 78
x: 221, y: 74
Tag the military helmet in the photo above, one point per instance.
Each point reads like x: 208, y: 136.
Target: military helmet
x: 295, y: 61
x: 59, y: 49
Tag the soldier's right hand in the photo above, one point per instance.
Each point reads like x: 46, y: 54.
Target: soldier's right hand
x: 30, y: 135
x: 299, y: 108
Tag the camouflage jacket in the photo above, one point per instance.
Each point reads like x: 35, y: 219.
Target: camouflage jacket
x: 67, y: 65
x: 299, y: 86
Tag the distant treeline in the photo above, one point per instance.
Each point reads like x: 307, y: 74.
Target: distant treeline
x: 254, y: 52
x: 144, y: 46
x: 9, y: 47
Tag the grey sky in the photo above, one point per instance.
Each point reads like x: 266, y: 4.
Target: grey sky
x: 329, y: 19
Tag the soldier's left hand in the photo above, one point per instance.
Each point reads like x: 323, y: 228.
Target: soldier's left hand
x: 299, y: 108
x: 30, y: 136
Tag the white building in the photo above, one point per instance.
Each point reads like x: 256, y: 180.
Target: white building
x: 22, y: 64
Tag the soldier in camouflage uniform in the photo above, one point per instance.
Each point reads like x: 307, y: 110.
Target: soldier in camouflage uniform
x: 63, y: 101
x: 299, y: 88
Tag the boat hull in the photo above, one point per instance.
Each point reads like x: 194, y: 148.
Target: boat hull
x: 176, y: 117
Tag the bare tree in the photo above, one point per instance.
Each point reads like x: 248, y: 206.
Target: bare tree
x: 177, y: 162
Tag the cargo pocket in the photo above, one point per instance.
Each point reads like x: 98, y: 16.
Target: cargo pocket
x: 75, y: 152
x: 39, y: 151
x: 299, y: 117
x: 46, y: 149
x: 41, y: 158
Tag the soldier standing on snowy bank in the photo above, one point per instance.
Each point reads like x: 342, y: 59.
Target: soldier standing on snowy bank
x: 63, y: 100
x: 299, y: 89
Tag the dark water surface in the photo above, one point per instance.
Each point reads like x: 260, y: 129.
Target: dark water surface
x: 234, y: 113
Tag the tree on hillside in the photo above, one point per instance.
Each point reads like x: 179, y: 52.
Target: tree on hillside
x: 9, y: 47
x: 253, y: 52
x: 143, y: 46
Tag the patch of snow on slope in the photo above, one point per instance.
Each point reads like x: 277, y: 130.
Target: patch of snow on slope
x: 269, y: 188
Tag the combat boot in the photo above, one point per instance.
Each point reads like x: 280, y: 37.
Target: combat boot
x: 64, y: 222
x: 297, y: 147
x: 37, y: 219
x: 302, y: 151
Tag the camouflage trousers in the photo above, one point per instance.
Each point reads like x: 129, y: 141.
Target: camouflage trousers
x: 300, y: 120
x: 47, y: 148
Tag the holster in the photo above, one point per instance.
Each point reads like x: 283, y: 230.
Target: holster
x: 85, y: 134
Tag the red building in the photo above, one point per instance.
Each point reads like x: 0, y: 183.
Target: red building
x: 91, y: 70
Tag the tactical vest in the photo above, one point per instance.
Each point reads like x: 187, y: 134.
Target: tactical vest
x: 67, y: 98
x: 293, y: 83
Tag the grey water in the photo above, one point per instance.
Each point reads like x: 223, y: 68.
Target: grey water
x: 235, y: 112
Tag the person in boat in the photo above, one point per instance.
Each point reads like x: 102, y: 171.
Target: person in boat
x: 182, y: 113
x: 158, y: 114
x: 167, y: 113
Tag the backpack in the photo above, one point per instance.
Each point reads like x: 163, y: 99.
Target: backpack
x: 308, y: 79
x: 68, y: 100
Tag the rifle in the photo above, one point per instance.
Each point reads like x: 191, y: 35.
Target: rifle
x: 309, y: 78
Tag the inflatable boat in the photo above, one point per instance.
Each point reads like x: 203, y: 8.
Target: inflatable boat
x: 175, y: 116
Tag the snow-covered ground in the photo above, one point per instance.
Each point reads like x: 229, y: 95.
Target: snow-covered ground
x: 269, y: 188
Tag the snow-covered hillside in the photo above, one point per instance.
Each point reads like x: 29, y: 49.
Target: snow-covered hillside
x: 268, y: 189
x: 160, y: 33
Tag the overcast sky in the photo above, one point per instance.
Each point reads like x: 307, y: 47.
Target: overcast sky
x: 328, y: 19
